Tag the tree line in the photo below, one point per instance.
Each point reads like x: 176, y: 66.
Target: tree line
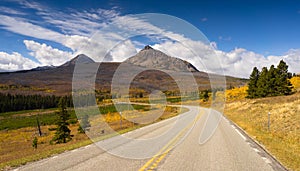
x: 270, y: 82
x: 19, y: 102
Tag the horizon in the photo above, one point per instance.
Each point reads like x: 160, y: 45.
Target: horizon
x: 78, y: 55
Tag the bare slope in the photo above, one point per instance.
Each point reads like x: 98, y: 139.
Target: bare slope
x: 151, y: 58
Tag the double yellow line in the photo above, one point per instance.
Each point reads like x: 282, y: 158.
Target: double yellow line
x: 157, y: 158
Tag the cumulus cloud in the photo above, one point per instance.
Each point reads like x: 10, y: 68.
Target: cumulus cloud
x: 97, y: 47
x: 199, y: 54
x: 123, y: 51
x: 238, y: 62
x: 47, y: 55
x: 292, y: 57
x: 15, y: 61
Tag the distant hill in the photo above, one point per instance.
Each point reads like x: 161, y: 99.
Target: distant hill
x: 83, y: 59
x: 40, y: 68
x: 2, y: 70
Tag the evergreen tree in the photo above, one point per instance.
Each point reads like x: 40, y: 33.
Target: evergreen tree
x: 205, y: 96
x: 35, y: 142
x: 63, y: 133
x: 262, y: 83
x: 271, y: 82
x: 252, y: 85
x: 19, y: 102
x: 283, y: 83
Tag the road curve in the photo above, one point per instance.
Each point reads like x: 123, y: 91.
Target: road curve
x: 227, y: 149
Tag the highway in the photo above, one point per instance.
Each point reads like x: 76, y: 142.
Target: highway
x: 229, y: 148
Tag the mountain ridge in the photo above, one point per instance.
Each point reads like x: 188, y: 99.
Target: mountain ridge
x: 59, y: 79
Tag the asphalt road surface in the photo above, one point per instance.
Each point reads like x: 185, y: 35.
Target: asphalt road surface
x: 228, y: 149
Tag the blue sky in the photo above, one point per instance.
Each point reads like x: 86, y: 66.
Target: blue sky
x: 244, y: 33
x: 260, y: 26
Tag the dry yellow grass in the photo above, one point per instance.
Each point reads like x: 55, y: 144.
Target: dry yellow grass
x: 16, y: 145
x: 283, y: 138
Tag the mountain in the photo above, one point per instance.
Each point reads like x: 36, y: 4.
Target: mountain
x: 41, y: 68
x: 82, y: 59
x: 151, y: 58
x: 58, y: 80
x: 2, y: 70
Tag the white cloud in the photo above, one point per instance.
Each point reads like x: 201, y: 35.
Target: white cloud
x: 204, y: 19
x: 10, y: 11
x: 83, y: 23
x: 123, y: 51
x: 81, y: 30
x: 23, y: 27
x: 199, y: 54
x: 128, y: 26
x: 292, y: 57
x: 75, y: 24
x: 15, y: 61
x: 47, y: 55
x: 225, y: 38
x: 214, y: 45
x: 238, y: 62
x: 32, y: 5
x: 96, y: 47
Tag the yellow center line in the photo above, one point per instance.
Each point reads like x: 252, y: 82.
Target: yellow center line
x: 157, y: 158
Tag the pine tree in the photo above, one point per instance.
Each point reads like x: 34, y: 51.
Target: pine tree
x: 35, y: 142
x: 271, y: 82
x: 63, y: 133
x: 252, y: 85
x: 284, y: 86
x: 205, y: 96
x: 262, y: 83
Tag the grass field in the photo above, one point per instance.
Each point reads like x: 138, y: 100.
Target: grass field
x: 16, y: 139
x: 17, y: 129
x: 16, y: 145
x: 283, y: 137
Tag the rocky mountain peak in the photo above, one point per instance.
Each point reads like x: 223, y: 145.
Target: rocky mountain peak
x: 152, y: 58
x: 148, y: 47
x: 82, y: 59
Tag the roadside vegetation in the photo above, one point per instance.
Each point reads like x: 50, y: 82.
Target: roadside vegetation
x: 282, y: 139
x: 20, y: 140
x: 270, y: 82
x: 249, y: 108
